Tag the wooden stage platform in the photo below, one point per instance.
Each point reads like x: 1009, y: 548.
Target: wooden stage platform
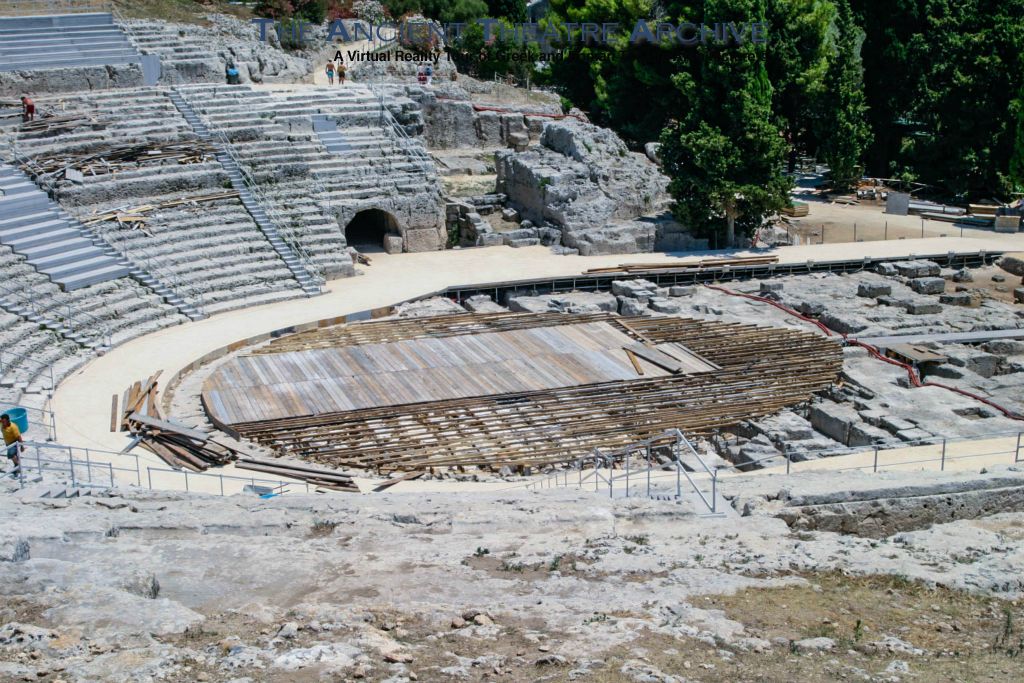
x: 508, y: 389
x: 392, y: 373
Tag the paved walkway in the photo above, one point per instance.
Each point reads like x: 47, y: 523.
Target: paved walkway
x: 82, y: 401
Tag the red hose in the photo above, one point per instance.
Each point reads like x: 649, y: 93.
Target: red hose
x: 872, y: 351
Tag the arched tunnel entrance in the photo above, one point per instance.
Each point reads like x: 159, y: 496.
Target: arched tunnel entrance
x: 368, y: 228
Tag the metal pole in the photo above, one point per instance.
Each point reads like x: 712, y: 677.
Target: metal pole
x: 714, y: 491
x: 71, y: 461
x: 922, y: 226
x: 186, y: 481
x: 854, y: 232
x: 88, y: 465
x: 886, y: 235
x: 1016, y: 453
x: 789, y: 461
x: 110, y: 471
x: 942, y: 464
x: 149, y: 477
x: 875, y: 468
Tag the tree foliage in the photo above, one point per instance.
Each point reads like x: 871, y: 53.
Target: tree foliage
x: 725, y: 154
x: 842, y: 128
x: 513, y: 10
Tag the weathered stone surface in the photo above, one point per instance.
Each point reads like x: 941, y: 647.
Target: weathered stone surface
x: 1012, y: 263
x: 680, y: 290
x: 481, y: 303
x: 978, y: 362
x: 873, y: 290
x: 1018, y: 295
x: 666, y: 305
x: 393, y: 244
x: 917, y: 269
x: 769, y: 287
x: 916, y: 307
x: 928, y: 285
x: 842, y: 323
x: 571, y: 302
x: 958, y: 299
x: 423, y: 240
x: 583, y: 179
x: 638, y: 289
x: 630, y: 306
x: 834, y: 420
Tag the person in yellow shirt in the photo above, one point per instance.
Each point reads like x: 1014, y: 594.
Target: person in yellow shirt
x: 13, y: 441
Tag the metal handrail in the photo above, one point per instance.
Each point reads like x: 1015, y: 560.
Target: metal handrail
x: 20, y: 359
x: 103, y: 336
x: 420, y: 156
x: 599, y: 459
x: 932, y: 441
x: 315, y: 271
x: 160, y: 271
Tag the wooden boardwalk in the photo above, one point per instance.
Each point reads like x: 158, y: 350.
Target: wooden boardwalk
x: 317, y: 380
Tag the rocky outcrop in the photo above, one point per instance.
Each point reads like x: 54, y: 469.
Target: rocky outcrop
x: 584, y: 179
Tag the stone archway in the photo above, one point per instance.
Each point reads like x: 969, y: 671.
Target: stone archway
x: 369, y: 227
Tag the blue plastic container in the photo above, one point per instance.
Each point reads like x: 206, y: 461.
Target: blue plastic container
x: 19, y: 416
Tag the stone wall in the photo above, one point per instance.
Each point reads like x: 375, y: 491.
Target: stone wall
x: 16, y: 83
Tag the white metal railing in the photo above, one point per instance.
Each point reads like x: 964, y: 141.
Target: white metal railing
x: 79, y: 322
x: 10, y: 361
x: 940, y: 450
x: 161, y: 272
x: 40, y: 417
x: 283, y: 228
x: 90, y: 467
x: 624, y: 480
x: 412, y: 146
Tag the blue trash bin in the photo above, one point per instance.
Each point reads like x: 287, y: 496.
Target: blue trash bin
x: 19, y: 416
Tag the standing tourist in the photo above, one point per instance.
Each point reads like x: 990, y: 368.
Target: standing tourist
x: 12, y: 440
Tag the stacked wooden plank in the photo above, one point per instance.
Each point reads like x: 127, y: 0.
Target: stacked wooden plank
x: 183, y: 447
x: 639, y: 268
x: 116, y: 158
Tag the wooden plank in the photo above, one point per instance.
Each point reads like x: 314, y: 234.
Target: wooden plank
x: 635, y: 362
x: 140, y: 395
x: 115, y: 421
x: 391, y: 482
x: 657, y: 357
x: 166, y: 426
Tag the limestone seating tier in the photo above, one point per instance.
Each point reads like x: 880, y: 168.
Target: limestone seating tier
x: 27, y: 354
x: 215, y: 250
x: 33, y: 43
x: 52, y: 242
x: 120, y: 117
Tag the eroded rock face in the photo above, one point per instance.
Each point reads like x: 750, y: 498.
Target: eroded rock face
x: 584, y: 179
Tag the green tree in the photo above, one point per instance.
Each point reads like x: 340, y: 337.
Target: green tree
x: 513, y: 10
x: 274, y: 9
x: 842, y: 126
x: 797, y: 63
x: 1016, y: 171
x: 724, y: 157
x: 494, y: 57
